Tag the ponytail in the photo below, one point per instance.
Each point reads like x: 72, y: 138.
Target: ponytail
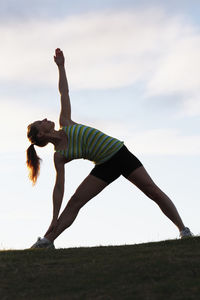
x: 33, y: 163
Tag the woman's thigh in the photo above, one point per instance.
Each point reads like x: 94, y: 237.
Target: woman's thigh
x: 142, y: 180
x: 88, y: 189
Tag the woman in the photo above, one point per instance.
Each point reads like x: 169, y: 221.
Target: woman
x: 110, y: 156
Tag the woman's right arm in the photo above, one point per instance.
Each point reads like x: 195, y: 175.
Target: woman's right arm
x: 58, y: 191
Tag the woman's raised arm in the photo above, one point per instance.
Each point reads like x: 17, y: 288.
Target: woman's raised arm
x: 65, y: 114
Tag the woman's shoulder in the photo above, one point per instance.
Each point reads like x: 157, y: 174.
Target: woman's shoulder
x: 73, y: 124
x: 68, y: 123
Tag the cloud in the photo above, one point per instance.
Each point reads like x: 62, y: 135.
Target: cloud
x: 191, y: 106
x: 14, y: 121
x: 178, y: 74
x: 178, y: 70
x: 155, y: 142
x: 108, y: 50
x: 163, y: 141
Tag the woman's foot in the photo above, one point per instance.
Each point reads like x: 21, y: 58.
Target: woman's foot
x: 43, y: 243
x: 185, y: 233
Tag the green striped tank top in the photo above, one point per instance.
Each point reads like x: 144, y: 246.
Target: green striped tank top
x: 89, y: 143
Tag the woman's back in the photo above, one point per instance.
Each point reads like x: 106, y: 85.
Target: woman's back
x: 89, y: 143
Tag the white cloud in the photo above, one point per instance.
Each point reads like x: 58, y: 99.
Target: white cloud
x: 191, y: 107
x: 107, y: 50
x: 162, y: 141
x: 95, y: 43
x: 14, y: 121
x: 165, y: 142
x: 156, y: 142
x: 178, y: 70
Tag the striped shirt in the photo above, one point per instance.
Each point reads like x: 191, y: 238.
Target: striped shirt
x: 89, y: 143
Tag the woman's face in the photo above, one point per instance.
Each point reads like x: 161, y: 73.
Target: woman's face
x: 44, y: 126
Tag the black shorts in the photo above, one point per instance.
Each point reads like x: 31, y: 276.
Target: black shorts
x: 122, y: 163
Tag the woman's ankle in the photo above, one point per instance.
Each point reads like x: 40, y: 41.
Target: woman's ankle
x: 49, y: 237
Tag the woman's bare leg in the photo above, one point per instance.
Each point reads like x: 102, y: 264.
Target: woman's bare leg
x: 143, y: 181
x: 87, y: 190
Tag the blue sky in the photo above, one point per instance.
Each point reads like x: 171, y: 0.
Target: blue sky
x: 133, y: 71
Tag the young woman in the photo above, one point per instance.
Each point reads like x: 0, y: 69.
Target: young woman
x: 110, y: 156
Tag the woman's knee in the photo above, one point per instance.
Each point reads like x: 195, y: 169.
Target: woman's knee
x: 152, y: 191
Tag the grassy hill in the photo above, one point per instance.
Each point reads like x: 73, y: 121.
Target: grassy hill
x: 163, y: 270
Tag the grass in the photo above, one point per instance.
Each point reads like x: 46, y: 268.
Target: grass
x: 162, y: 270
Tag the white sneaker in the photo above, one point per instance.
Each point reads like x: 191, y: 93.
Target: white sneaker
x: 43, y: 243
x: 185, y: 233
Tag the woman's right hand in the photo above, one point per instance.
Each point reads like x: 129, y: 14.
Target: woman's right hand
x: 59, y: 57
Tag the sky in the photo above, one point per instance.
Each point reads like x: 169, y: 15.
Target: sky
x: 133, y: 72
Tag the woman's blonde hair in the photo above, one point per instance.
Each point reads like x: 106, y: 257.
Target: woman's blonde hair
x: 32, y: 159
